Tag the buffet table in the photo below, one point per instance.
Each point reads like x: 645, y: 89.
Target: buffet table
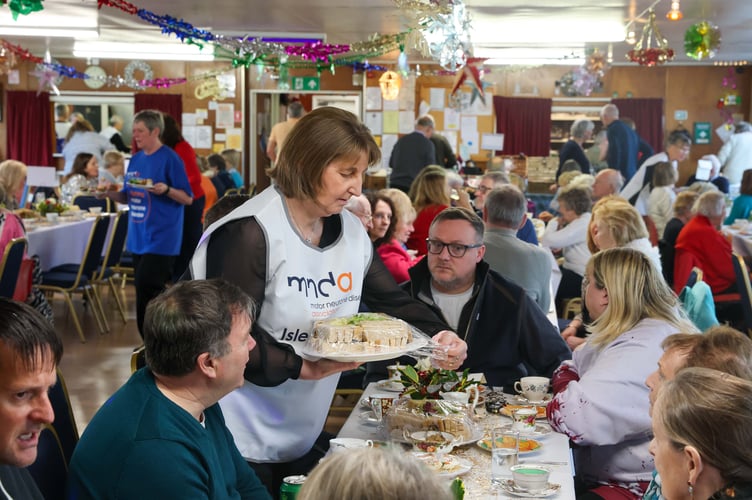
x: 63, y: 242
x: 554, y: 452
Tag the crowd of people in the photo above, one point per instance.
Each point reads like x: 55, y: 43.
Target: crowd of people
x: 218, y: 402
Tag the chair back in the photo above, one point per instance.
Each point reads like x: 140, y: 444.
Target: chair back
x: 64, y: 423
x: 745, y: 290
x: 50, y: 469
x: 84, y: 202
x: 694, y: 276
x: 115, y: 247
x: 93, y: 252
x: 231, y: 191
x: 10, y: 266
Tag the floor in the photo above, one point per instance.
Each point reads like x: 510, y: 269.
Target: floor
x: 94, y: 370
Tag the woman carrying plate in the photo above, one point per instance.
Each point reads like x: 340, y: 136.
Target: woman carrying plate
x: 600, y: 397
x: 301, y: 257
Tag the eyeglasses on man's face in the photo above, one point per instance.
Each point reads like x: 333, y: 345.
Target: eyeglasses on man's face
x: 455, y: 249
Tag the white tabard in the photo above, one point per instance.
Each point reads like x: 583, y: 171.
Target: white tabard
x: 303, y: 283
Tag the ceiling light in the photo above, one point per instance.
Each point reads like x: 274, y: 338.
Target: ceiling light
x: 631, y: 38
x: 542, y: 31
x: 49, y: 32
x: 531, y: 56
x: 147, y: 51
x: 675, y: 13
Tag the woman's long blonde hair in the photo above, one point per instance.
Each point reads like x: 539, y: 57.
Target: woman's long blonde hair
x: 636, y: 291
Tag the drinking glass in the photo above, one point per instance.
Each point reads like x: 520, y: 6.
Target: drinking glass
x: 505, y: 448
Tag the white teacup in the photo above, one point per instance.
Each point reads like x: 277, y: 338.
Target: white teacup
x: 380, y: 403
x: 463, y: 397
x: 95, y: 210
x: 338, y: 444
x: 524, y: 419
x: 53, y: 216
x: 533, y: 388
x: 394, y: 372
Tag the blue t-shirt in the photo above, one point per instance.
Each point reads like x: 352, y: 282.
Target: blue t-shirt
x: 236, y: 178
x: 155, y: 224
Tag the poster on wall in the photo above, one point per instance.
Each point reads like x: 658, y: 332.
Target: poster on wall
x: 225, y: 115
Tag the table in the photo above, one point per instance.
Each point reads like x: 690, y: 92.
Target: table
x: 478, y: 481
x: 60, y: 243
x: 741, y: 240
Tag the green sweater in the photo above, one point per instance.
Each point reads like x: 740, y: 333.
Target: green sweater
x: 142, y: 445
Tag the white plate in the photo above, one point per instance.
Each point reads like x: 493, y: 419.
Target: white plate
x: 509, y: 487
x: 522, y: 400
x: 449, y: 467
x: 381, y: 354
x: 390, y: 386
x: 396, y: 435
x: 539, y: 431
x: 368, y: 418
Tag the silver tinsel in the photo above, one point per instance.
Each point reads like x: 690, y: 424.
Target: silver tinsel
x: 448, y: 36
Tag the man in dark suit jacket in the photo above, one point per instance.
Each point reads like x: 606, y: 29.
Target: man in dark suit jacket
x: 444, y: 154
x: 623, y: 144
x: 411, y: 153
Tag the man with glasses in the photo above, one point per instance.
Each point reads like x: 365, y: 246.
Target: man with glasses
x: 507, y: 334
x: 493, y: 180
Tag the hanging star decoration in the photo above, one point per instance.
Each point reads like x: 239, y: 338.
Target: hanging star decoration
x: 473, y: 70
x: 47, y: 77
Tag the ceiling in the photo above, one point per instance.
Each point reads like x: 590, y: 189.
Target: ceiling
x: 347, y: 21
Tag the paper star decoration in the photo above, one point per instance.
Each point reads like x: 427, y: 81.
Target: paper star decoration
x: 47, y: 77
x: 471, y: 70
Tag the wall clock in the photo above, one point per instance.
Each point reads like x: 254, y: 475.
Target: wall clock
x: 97, y: 77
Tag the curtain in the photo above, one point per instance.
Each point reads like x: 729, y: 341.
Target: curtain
x: 525, y: 123
x: 648, y: 117
x: 172, y: 104
x: 29, y: 127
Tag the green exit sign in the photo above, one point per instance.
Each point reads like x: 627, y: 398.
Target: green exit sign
x: 305, y: 83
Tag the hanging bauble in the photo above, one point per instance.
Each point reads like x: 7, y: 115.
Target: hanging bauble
x: 644, y: 53
x: 702, y: 40
x: 596, y: 64
x: 390, y: 83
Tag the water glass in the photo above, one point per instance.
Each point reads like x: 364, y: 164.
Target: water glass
x: 505, y: 448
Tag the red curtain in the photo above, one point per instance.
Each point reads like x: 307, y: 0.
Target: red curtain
x: 648, y: 117
x: 30, y: 127
x: 172, y: 104
x: 525, y: 123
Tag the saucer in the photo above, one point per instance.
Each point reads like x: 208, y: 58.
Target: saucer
x: 367, y: 417
x: 511, y: 488
x: 520, y: 399
x: 447, y: 467
x: 390, y: 386
x: 539, y: 430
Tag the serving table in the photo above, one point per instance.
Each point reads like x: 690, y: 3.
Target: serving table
x: 554, y: 452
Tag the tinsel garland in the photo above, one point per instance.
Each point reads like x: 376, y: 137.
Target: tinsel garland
x: 24, y: 7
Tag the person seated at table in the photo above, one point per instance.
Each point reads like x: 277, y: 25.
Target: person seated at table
x: 224, y: 206
x: 84, y: 177
x: 701, y: 244
x: 393, y: 251
x: 210, y: 192
x: 380, y: 210
x: 507, y: 334
x: 662, y: 197
x: 568, y: 234
x: 701, y: 427
x: 221, y: 179
x: 371, y: 473
x: 429, y: 193
x: 82, y: 138
x: 719, y: 348
x: 114, y: 168
x: 163, y: 434
x: 600, y: 399
x: 715, y: 176
x: 12, y: 181
x: 742, y: 207
x: 682, y: 213
x: 492, y: 180
x: 232, y: 160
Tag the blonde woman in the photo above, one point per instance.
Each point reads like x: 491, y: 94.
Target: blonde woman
x: 429, y: 194
x: 600, y: 398
x: 702, y: 426
x: 12, y: 180
x: 616, y: 223
x: 397, y: 258
x: 662, y: 196
x: 372, y: 473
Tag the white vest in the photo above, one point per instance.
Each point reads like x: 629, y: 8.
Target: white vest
x: 303, y: 283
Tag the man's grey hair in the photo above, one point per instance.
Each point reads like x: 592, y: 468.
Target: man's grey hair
x: 710, y: 204
x: 498, y: 178
x: 295, y: 109
x: 425, y: 121
x: 505, y: 206
x: 579, y: 127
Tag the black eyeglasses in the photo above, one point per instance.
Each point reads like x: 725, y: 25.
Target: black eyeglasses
x: 455, y: 249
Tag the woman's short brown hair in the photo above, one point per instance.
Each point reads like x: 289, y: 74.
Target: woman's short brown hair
x: 321, y: 137
x: 664, y: 174
x: 746, y: 187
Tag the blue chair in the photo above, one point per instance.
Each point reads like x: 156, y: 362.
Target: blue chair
x: 85, y: 201
x: 64, y: 423
x: 10, y: 266
x: 112, y: 256
x: 50, y: 469
x: 61, y: 279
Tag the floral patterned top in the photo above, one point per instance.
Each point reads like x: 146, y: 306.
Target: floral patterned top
x: 739, y: 491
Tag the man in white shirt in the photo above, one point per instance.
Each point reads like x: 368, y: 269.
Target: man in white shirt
x: 279, y: 131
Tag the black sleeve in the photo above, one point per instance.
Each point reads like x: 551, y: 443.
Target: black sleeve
x: 382, y: 294
x: 237, y: 253
x: 451, y: 159
x: 544, y: 348
x: 117, y: 141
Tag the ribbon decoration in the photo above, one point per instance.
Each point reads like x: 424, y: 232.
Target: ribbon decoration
x: 24, y: 7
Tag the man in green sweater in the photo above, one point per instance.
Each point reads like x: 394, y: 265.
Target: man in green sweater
x: 162, y: 435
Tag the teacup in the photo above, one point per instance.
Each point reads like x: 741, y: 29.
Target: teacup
x: 53, y: 216
x: 463, y: 397
x: 394, y: 372
x: 380, y: 403
x: 95, y: 210
x: 338, y: 444
x: 524, y: 419
x: 533, y: 388
x: 530, y: 477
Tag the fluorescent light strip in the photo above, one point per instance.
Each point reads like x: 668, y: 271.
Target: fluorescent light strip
x: 49, y: 32
x: 146, y: 51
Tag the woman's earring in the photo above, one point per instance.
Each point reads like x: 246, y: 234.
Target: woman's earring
x: 691, y: 490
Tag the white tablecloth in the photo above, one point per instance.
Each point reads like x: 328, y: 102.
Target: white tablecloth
x: 555, y: 448
x: 741, y: 241
x: 61, y: 243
